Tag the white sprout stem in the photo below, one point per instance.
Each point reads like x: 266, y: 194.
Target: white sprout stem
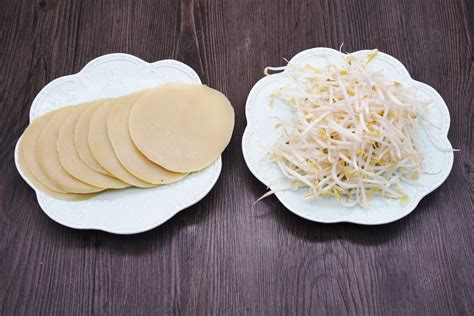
x: 353, y: 133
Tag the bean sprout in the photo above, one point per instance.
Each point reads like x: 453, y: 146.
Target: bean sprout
x: 353, y: 134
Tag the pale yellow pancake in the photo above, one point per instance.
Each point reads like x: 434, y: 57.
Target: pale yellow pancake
x: 71, y: 161
x: 48, y: 158
x: 81, y: 138
x: 28, y: 146
x: 126, y: 151
x: 39, y: 186
x: 182, y: 127
x: 102, y: 150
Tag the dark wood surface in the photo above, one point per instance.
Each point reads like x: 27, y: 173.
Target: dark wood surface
x: 223, y: 256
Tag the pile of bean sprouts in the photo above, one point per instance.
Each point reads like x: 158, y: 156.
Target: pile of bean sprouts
x: 353, y: 133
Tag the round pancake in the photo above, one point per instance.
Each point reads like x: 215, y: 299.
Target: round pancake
x: 182, y: 127
x: 28, y: 146
x: 126, y: 151
x: 81, y: 138
x: 71, y: 161
x: 49, y: 160
x: 39, y: 186
x: 102, y: 150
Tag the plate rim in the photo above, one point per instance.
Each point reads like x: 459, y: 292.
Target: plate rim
x: 417, y: 199
x: 97, y: 226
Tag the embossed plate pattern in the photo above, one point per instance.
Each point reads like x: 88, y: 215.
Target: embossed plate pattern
x: 260, y: 134
x: 131, y: 210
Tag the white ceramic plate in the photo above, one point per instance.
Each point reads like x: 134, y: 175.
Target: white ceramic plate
x: 130, y: 210
x: 260, y: 135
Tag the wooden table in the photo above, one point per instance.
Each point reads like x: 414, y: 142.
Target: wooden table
x: 223, y: 256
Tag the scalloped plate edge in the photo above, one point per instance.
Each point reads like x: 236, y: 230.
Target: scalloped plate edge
x: 41, y: 196
x: 300, y: 57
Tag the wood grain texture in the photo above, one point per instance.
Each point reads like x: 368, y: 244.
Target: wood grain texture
x: 223, y: 255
